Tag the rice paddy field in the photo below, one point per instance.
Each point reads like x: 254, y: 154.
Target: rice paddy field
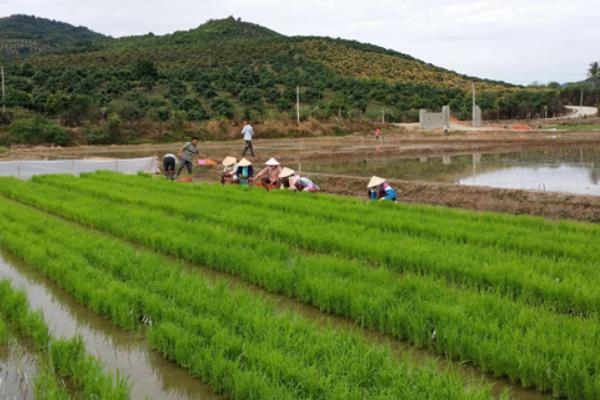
x: 200, y: 273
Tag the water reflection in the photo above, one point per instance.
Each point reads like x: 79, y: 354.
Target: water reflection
x: 562, y: 171
x: 150, y: 375
x: 564, y: 178
x: 572, y: 170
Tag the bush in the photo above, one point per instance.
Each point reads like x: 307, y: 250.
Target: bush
x: 5, y: 118
x: 127, y: 110
x: 38, y: 130
x: 178, y: 119
x: 109, y: 133
x: 97, y: 136
x: 222, y: 107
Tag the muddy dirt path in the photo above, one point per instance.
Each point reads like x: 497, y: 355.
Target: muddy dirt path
x: 296, y: 152
x: 332, y: 148
x: 478, y: 198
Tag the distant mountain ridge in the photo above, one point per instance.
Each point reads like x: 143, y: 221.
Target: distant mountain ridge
x: 24, y: 35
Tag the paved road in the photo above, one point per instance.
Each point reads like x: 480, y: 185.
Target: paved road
x: 581, y: 112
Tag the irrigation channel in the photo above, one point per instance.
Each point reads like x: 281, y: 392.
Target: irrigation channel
x: 151, y: 375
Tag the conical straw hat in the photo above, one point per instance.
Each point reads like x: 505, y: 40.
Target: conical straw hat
x: 244, y: 163
x: 272, y: 163
x: 375, y: 181
x: 229, y: 161
x: 286, y: 172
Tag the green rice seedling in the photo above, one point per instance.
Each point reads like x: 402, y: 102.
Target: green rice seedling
x: 565, y: 285
x: 4, y: 335
x: 536, y: 346
x: 385, y: 216
x: 69, y: 360
x: 231, y: 339
x: 46, y: 386
x: 59, y: 359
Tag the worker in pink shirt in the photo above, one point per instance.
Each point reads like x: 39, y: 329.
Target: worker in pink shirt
x: 269, y: 176
x: 293, y: 181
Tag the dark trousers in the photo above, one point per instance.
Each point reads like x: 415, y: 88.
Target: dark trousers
x: 248, y: 147
x: 187, y: 165
x: 169, y: 167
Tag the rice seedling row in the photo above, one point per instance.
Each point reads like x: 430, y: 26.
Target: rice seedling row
x: 560, y: 285
x: 538, y: 236
x: 58, y: 359
x: 233, y: 340
x: 539, y: 348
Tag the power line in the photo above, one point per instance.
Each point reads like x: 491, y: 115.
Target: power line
x: 3, y: 92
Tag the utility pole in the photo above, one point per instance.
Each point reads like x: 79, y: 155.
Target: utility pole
x: 383, y: 116
x: 3, y: 92
x: 581, y: 104
x: 474, y: 95
x: 298, y: 104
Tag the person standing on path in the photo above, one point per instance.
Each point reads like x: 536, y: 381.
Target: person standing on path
x: 187, y: 154
x: 377, y: 133
x: 248, y: 134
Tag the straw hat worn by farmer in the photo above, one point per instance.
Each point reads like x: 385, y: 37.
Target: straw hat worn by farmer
x: 292, y: 181
x: 229, y: 170
x: 269, y: 175
x: 380, y: 190
x: 244, y: 172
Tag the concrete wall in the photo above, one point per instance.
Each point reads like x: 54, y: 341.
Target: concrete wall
x: 430, y: 120
x: 476, y: 117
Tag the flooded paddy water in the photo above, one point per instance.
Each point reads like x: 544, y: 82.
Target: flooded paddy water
x: 148, y: 373
x: 17, y: 371
x: 574, y: 170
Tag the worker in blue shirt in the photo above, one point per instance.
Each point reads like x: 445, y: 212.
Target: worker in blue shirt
x: 380, y: 190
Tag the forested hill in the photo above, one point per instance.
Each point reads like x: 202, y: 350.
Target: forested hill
x: 227, y: 69
x: 230, y: 42
x: 23, y: 35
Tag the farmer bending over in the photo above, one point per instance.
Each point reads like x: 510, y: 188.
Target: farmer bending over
x: 294, y: 182
x: 229, y: 170
x: 169, y: 161
x: 269, y: 176
x: 244, y: 172
x: 380, y: 190
x: 187, y: 154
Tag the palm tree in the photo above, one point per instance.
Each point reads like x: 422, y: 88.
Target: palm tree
x: 594, y: 71
x: 594, y: 78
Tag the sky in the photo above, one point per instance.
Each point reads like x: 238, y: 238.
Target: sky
x: 518, y: 41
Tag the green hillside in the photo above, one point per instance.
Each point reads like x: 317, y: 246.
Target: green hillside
x: 227, y: 69
x: 23, y: 35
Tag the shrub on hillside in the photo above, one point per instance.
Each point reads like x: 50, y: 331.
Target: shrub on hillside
x: 38, y: 130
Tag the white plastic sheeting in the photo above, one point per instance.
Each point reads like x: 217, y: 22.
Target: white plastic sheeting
x: 24, y: 169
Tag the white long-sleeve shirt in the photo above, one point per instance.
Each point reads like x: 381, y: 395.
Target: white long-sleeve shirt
x: 248, y: 132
